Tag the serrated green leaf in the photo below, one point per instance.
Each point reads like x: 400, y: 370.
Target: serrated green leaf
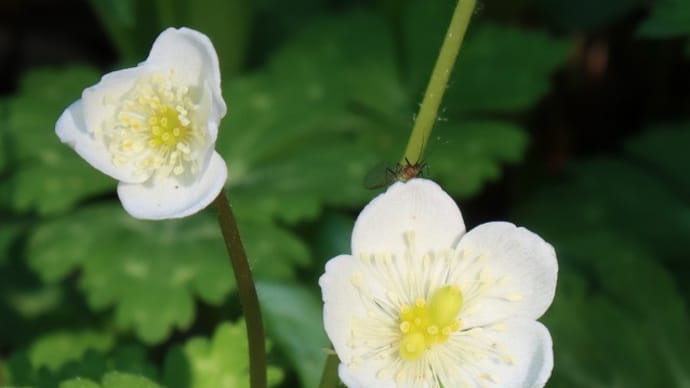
x: 56, y: 349
x: 51, y: 177
x: 472, y: 152
x: 112, y: 380
x: 620, y: 196
x: 622, y: 320
x: 584, y: 317
x: 151, y: 272
x: 221, y: 362
x: 504, y: 69
x: 60, y: 355
x: 669, y: 18
x: 289, y: 135
x: 294, y: 319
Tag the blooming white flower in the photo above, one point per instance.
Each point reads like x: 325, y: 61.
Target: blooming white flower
x: 153, y: 127
x: 421, y: 303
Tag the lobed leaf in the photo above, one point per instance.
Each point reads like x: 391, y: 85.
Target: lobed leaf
x: 50, y: 177
x: 221, y: 362
x: 151, y: 272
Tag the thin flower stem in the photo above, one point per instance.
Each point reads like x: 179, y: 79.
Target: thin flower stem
x: 438, y: 82
x: 329, y: 377
x: 246, y: 290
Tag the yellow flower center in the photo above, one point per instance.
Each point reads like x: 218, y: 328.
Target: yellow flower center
x: 426, y: 324
x: 154, y: 128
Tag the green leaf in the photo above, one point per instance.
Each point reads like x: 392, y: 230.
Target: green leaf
x: 112, y: 380
x: 221, y: 362
x: 619, y: 196
x: 293, y: 318
x: 669, y: 18
x: 51, y: 177
x: 505, y: 69
x: 54, y: 350
x: 619, y: 318
x: 289, y: 135
x: 471, y: 153
x: 93, y: 355
x: 150, y: 272
x: 589, y: 355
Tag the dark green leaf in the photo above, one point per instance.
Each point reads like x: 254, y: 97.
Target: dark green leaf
x: 669, y: 18
x: 471, y: 153
x: 293, y: 318
x: 664, y: 148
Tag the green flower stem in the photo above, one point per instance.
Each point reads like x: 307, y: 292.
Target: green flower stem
x: 246, y: 290
x: 329, y: 378
x: 439, y: 81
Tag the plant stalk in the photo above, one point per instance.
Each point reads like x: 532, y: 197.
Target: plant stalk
x: 439, y: 81
x: 246, y: 290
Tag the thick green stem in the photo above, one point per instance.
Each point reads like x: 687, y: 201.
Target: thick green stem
x: 329, y: 377
x: 246, y: 291
x: 439, y: 81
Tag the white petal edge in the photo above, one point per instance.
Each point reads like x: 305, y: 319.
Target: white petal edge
x: 528, y: 344
x: 340, y: 302
x: 524, y: 261
x: 195, y: 61
x: 73, y: 131
x: 418, y: 205
x: 364, y: 377
x: 170, y: 199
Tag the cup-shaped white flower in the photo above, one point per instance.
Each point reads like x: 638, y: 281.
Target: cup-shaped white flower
x: 153, y: 127
x: 421, y: 303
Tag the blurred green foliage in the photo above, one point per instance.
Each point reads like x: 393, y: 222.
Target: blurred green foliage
x: 319, y: 93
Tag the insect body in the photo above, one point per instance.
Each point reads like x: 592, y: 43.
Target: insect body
x: 382, y: 175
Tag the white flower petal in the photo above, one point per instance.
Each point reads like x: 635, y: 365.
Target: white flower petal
x: 341, y: 301
x: 364, y: 376
x: 418, y: 205
x: 72, y: 130
x: 513, y: 274
x: 192, y: 56
x: 169, y: 198
x: 523, y: 358
x: 99, y: 100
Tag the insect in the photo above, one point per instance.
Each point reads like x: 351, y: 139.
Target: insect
x: 382, y: 175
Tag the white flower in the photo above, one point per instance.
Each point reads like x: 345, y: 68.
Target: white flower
x: 421, y: 303
x: 153, y: 127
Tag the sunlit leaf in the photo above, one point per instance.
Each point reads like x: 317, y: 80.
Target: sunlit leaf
x: 51, y: 177
x: 221, y: 362
x: 58, y: 356
x: 293, y: 318
x: 151, y: 272
x: 112, y: 380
